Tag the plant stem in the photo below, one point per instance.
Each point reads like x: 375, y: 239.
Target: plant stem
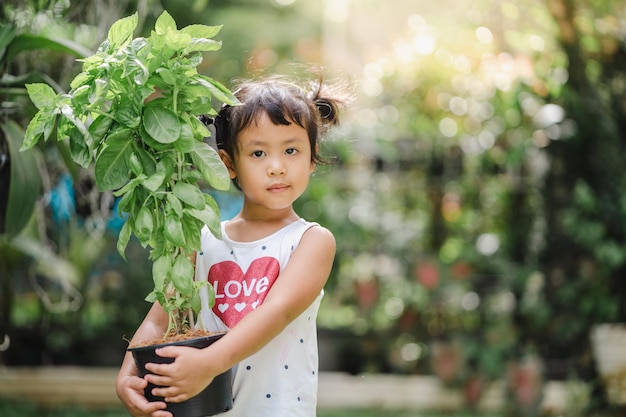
x: 101, y: 113
x: 175, y: 99
x: 190, y: 318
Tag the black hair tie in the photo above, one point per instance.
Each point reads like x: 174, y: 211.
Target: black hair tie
x: 207, y: 120
x: 325, y: 109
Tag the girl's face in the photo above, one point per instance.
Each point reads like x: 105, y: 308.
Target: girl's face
x: 272, y: 164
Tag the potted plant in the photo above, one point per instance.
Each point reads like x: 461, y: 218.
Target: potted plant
x: 133, y: 113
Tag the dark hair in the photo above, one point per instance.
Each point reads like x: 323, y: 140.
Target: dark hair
x: 314, y: 107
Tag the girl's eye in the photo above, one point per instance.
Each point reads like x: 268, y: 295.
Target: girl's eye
x: 291, y: 151
x: 258, y: 154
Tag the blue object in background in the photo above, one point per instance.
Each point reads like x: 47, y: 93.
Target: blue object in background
x: 62, y: 200
x: 230, y: 204
x: 115, y: 221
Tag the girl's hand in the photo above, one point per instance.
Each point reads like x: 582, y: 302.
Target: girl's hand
x: 182, y: 379
x: 130, y: 391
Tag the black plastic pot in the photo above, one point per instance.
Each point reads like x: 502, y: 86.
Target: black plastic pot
x: 216, y: 398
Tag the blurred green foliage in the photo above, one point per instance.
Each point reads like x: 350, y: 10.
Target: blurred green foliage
x: 477, y: 194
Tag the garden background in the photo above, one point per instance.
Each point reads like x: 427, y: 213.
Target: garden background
x: 476, y: 194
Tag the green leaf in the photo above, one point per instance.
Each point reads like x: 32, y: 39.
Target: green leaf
x: 164, y: 23
x: 100, y: 127
x: 185, y: 142
x: 199, y: 128
x: 42, y: 95
x: 128, y: 113
x: 40, y: 125
x: 97, y: 93
x: 175, y: 204
x: 144, y: 224
x: 182, y: 275
x: 150, y: 142
x: 79, y: 97
x: 128, y: 188
x: 202, y: 45
x: 122, y: 29
x: 208, y: 162
x: 127, y: 203
x: 173, y: 230
x: 68, y: 112
x: 155, y: 181
x: 147, y: 159
x: 217, y: 90
x: 161, y: 124
x: 192, y: 228
x: 177, y: 41
x: 161, y: 269
x: 123, y: 239
x: 170, y: 77
x: 135, y: 164
x: 196, y: 301
x: 28, y: 41
x: 135, y: 64
x: 80, y: 152
x: 210, y: 217
x: 24, y: 182
x: 199, y: 100
x: 80, y: 80
x: 7, y: 34
x: 211, y: 292
x: 152, y: 297
x: 201, y: 31
x: 111, y: 169
x: 190, y: 194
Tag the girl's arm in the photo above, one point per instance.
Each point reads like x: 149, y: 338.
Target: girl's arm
x: 294, y: 291
x: 129, y: 386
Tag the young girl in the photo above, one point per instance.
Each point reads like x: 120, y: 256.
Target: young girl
x: 268, y: 271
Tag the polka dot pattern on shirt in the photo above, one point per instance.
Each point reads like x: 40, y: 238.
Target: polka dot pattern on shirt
x: 294, y: 386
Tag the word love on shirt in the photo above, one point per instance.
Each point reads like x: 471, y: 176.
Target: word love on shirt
x: 238, y: 292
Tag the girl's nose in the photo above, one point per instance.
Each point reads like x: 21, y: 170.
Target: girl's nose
x: 276, y: 167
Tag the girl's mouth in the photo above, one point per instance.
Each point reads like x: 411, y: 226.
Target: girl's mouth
x: 278, y: 187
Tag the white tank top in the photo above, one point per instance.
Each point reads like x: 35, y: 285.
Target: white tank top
x: 280, y: 380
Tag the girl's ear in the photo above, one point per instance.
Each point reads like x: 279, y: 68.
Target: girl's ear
x: 312, y: 160
x: 227, y: 160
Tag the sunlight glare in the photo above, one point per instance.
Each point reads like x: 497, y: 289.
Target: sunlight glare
x: 337, y: 10
x: 488, y: 244
x: 484, y: 35
x: 424, y: 44
x: 536, y: 43
x: 448, y: 127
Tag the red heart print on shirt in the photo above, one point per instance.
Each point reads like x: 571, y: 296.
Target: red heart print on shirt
x: 236, y: 293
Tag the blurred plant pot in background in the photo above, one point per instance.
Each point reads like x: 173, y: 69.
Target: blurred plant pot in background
x: 524, y: 384
x: 608, y: 342
x: 216, y: 398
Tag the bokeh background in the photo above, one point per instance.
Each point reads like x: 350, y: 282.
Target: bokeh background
x: 477, y: 190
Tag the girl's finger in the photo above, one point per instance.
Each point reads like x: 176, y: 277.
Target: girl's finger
x: 166, y: 392
x: 168, y: 352
x: 177, y: 398
x: 158, y: 368
x: 159, y: 379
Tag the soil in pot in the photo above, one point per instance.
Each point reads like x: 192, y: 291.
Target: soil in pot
x: 216, y: 398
